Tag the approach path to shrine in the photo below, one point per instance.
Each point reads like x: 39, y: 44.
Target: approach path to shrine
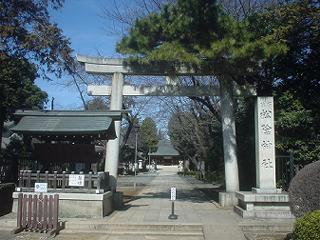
x: 145, y: 215
x: 198, y: 216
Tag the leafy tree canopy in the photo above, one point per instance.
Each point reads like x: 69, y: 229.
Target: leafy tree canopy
x: 26, y: 31
x: 297, y: 24
x: 17, y: 87
x: 148, y: 135
x: 198, y: 33
x: 295, y: 76
x: 30, y: 44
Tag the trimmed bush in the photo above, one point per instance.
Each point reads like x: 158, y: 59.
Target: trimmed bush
x: 304, y: 190
x: 308, y: 227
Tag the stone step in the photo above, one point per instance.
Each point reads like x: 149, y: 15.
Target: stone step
x: 130, y: 227
x: 267, y: 226
x: 165, y: 230
x: 131, y: 236
x: 104, y: 225
x: 264, y: 214
x: 260, y: 236
x: 136, y: 233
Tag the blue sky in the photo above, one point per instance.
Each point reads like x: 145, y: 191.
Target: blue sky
x: 90, y: 34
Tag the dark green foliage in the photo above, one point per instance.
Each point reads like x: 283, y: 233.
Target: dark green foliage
x: 17, y: 88
x: 127, y: 155
x: 6, y: 200
x: 30, y: 44
x: 308, y: 227
x: 295, y: 76
x: 200, y: 35
x: 17, y: 154
x: 296, y: 128
x: 148, y: 135
x: 26, y: 31
x: 304, y: 190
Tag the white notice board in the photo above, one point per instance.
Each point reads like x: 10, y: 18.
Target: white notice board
x: 76, y: 180
x: 41, y: 187
x: 173, y: 193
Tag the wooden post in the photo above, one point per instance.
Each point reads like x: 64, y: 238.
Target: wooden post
x: 90, y: 180
x: 38, y: 176
x: 46, y: 178
x: 21, y: 178
x: 29, y: 212
x: 50, y: 212
x: 40, y: 212
x: 45, y: 214
x: 55, y: 211
x: 34, y: 212
x: 19, y: 213
x: 63, y: 180
x: 29, y: 178
x: 24, y: 211
x: 55, y: 179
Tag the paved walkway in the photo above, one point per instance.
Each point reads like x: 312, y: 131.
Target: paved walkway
x: 151, y: 207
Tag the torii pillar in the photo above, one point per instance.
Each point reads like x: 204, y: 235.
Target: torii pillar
x: 112, y: 150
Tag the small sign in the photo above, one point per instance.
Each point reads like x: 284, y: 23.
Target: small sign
x: 76, y: 180
x: 173, y: 193
x: 41, y: 187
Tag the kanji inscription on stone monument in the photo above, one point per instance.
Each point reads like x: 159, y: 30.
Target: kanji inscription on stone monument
x: 265, y: 143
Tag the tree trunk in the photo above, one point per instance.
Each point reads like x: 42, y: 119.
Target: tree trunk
x: 229, y: 136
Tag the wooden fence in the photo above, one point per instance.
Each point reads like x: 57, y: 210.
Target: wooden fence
x: 38, y: 213
x: 59, y: 182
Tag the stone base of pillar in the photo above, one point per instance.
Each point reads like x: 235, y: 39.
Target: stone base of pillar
x: 113, y: 183
x: 118, y: 200
x: 78, y: 205
x: 271, y: 190
x: 227, y: 199
x: 263, y: 205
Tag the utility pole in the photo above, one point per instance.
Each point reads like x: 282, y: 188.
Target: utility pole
x: 136, y: 127
x: 149, y: 160
x: 52, y: 103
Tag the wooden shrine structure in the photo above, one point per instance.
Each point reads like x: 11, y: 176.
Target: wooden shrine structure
x: 63, y: 140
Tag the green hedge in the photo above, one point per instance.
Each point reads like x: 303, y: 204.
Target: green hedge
x: 304, y: 190
x: 307, y: 227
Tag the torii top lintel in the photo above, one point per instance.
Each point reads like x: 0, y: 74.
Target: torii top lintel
x: 101, y: 65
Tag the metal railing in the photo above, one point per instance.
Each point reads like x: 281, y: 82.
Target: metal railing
x: 285, y: 170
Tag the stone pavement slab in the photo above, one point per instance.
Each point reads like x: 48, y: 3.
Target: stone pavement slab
x: 152, y: 204
x: 145, y: 215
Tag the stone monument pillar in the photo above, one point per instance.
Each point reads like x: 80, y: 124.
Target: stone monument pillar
x: 265, y: 146
x: 112, y: 151
x: 264, y: 201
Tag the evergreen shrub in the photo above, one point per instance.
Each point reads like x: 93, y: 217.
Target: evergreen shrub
x: 308, y: 227
x: 304, y: 190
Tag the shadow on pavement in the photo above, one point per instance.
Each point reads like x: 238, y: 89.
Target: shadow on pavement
x: 206, y: 195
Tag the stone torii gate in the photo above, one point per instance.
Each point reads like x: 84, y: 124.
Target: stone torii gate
x: 265, y: 158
